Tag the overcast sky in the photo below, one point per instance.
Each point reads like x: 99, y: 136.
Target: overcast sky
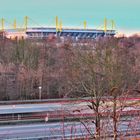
x: 126, y: 13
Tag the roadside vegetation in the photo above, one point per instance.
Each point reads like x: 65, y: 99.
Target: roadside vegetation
x: 104, y: 70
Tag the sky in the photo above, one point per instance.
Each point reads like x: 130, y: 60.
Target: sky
x: 126, y: 13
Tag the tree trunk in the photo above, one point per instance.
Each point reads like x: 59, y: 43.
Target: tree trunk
x: 115, y: 119
x: 97, y: 123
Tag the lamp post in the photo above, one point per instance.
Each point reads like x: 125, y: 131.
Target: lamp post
x: 40, y: 90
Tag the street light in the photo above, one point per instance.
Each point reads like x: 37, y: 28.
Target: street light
x: 40, y: 92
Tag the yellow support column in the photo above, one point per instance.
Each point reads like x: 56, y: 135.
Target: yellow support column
x: 15, y: 24
x: 112, y: 24
x: 60, y: 26
x: 56, y: 23
x: 85, y: 24
x: 26, y: 22
x: 105, y: 24
x: 2, y: 24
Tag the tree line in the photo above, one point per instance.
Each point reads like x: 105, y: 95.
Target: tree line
x: 68, y: 68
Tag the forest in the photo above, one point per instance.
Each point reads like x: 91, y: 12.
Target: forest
x: 66, y: 68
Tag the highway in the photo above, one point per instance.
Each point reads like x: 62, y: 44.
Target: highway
x: 47, y: 130
x: 24, y: 108
x: 57, y: 130
x: 61, y: 105
x: 57, y: 110
x: 54, y: 130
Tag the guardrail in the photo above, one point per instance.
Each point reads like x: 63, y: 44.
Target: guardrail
x: 86, y: 99
x: 64, y: 117
x: 41, y: 101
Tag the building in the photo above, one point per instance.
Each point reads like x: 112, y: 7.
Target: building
x: 15, y: 34
x: 66, y: 32
x: 39, y: 33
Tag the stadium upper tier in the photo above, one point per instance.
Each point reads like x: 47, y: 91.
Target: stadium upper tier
x: 67, y: 32
x: 64, y: 32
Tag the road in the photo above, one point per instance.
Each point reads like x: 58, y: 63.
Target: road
x: 47, y: 130
x: 40, y: 107
x: 58, y: 110
x: 24, y: 108
x: 57, y: 130
x: 61, y: 130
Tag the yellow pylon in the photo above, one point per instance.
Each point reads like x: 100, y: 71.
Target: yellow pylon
x: 2, y: 24
x: 85, y: 24
x: 56, y: 23
x: 26, y: 22
x: 105, y: 24
x: 112, y: 24
x: 15, y: 24
x: 60, y: 26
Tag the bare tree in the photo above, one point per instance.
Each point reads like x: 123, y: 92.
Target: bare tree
x: 99, y: 72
